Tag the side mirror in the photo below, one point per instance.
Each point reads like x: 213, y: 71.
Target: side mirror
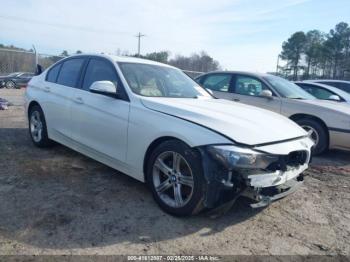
x: 104, y: 88
x: 334, y: 98
x: 266, y: 93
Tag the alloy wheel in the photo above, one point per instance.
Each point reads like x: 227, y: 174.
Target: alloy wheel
x: 312, y: 133
x: 36, y: 126
x: 173, y: 179
x: 10, y: 85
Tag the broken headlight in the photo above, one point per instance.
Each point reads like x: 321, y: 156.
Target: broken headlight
x: 233, y: 157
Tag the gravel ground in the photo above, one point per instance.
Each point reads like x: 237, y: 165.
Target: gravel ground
x: 57, y: 201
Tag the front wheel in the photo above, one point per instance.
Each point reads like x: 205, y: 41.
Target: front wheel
x: 317, y: 133
x: 176, y: 179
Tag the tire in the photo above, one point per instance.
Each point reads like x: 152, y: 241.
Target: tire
x: 10, y: 85
x: 319, y: 134
x: 38, y: 128
x: 190, y: 185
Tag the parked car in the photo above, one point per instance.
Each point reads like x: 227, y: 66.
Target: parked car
x: 15, y: 80
x: 325, y: 92
x: 154, y: 123
x: 341, y: 84
x: 327, y: 122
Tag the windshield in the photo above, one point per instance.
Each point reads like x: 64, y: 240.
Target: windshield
x: 287, y: 89
x: 160, y: 81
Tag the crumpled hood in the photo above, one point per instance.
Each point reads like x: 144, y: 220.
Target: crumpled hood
x: 242, y: 123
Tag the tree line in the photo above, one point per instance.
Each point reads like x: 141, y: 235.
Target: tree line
x: 316, y: 54
x: 25, y: 60
x: 196, y: 62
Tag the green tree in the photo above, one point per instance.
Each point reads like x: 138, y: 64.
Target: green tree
x: 161, y: 57
x: 338, y: 45
x: 313, y: 49
x: 64, y: 53
x: 292, y: 49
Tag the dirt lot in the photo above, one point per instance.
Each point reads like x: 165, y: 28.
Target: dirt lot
x: 57, y: 201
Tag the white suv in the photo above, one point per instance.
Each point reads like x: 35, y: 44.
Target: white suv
x: 154, y: 123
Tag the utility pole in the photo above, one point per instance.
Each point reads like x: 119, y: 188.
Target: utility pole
x: 139, y: 43
x: 277, y: 67
x: 36, y: 59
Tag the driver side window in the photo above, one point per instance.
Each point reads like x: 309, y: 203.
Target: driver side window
x: 249, y: 86
x: 99, y: 70
x: 318, y: 92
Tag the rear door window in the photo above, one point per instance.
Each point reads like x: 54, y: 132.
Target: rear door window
x: 53, y: 73
x: 70, y: 72
x: 218, y: 82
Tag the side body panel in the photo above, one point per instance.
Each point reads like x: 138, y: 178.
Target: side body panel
x: 55, y: 101
x: 100, y: 122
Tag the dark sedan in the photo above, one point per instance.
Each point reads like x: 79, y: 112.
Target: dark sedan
x: 15, y: 80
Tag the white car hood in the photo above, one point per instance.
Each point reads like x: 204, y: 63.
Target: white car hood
x: 242, y: 123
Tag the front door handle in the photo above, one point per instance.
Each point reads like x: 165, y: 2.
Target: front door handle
x: 236, y: 99
x: 78, y: 100
x: 47, y: 89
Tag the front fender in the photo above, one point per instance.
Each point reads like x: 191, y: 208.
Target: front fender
x: 146, y: 126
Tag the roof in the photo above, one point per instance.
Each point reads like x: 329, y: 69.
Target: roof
x: 125, y: 59
x: 327, y: 80
x: 256, y: 74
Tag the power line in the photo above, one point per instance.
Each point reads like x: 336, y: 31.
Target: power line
x: 139, y: 43
x: 61, y: 26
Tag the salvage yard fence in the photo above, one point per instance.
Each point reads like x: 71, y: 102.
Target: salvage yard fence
x: 15, y: 60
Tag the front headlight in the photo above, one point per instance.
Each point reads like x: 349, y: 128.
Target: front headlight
x: 239, y: 157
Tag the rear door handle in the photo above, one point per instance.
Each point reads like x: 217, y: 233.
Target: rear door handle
x: 78, y: 100
x: 236, y: 99
x: 47, y: 89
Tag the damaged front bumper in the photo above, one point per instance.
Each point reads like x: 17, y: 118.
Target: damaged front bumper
x: 267, y: 187
x: 265, y: 196
x: 262, y: 185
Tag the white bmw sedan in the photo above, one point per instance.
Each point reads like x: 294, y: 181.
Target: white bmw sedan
x: 154, y: 123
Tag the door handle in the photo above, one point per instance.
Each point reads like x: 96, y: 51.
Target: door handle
x: 78, y: 100
x: 47, y: 89
x: 236, y: 99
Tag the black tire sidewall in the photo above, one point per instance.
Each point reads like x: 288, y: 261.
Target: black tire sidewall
x: 322, y: 145
x: 195, y: 204
x: 14, y: 84
x: 45, y: 141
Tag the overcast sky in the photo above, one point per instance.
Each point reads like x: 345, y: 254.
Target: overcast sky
x: 240, y: 34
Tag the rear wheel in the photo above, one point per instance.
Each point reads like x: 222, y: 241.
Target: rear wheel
x: 37, y: 127
x: 175, y: 177
x: 317, y: 133
x: 10, y: 84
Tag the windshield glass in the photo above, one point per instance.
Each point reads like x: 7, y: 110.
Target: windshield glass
x: 287, y: 89
x: 160, y: 81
